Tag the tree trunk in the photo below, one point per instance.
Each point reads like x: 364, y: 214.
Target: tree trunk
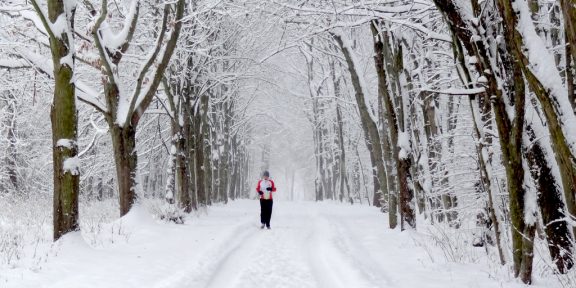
x: 188, y: 153
x: 550, y: 202
x: 64, y: 119
x: 198, y: 152
x: 126, y: 158
x: 510, y: 140
x: 225, y: 157
x: 170, y: 192
x: 319, y: 183
x: 510, y: 131
x: 183, y: 191
x: 569, y: 15
x: 10, y: 159
x: 236, y: 162
x: 342, y: 170
x: 206, y: 149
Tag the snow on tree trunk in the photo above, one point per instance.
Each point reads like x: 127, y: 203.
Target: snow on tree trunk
x: 544, y: 80
x: 63, y: 114
x: 550, y: 200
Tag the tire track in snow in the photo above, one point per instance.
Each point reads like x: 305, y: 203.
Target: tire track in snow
x: 357, y: 253
x: 207, y: 261
x: 228, y: 267
x: 331, y: 267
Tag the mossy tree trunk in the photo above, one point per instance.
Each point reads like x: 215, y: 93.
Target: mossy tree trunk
x: 569, y: 15
x: 64, y: 118
x: 550, y: 202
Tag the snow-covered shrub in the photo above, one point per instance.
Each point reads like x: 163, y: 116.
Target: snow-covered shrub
x: 165, y: 211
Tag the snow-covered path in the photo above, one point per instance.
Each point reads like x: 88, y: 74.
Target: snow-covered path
x: 310, y: 245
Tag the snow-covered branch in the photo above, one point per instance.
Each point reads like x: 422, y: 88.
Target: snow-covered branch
x: 140, y: 102
x: 458, y: 91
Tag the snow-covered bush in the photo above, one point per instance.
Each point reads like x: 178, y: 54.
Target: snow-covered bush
x: 165, y: 211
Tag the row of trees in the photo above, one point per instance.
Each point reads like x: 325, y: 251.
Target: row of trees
x: 508, y: 64
x: 135, y: 66
x: 460, y: 111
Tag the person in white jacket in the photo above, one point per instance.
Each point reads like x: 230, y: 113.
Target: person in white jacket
x: 265, y: 189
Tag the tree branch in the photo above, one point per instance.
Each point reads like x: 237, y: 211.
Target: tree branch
x: 98, y: 42
x: 169, y: 50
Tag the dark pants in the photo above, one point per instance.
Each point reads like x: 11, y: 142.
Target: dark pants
x: 266, y: 211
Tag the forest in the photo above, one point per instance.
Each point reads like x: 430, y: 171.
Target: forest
x: 454, y: 119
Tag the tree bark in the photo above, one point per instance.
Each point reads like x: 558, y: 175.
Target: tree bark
x: 510, y: 141
x: 569, y: 15
x: 126, y: 157
x: 64, y: 119
x: 550, y: 202
x: 198, y: 152
x: 342, y: 162
x: 183, y: 191
x: 191, y: 158
x: 187, y: 158
x: 206, y: 149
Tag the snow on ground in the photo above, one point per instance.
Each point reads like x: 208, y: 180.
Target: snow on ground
x: 310, y: 245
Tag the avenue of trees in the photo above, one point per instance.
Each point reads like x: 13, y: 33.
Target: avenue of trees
x: 453, y: 113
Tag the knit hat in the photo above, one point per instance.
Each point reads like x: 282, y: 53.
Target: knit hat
x: 266, y: 173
